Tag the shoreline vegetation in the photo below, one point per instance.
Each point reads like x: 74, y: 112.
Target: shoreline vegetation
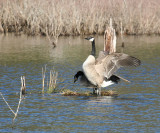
x: 54, y: 18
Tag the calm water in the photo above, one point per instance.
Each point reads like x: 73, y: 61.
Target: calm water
x: 136, y: 109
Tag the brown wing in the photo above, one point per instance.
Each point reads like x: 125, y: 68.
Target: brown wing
x: 101, y: 56
x: 113, y: 62
x: 123, y: 60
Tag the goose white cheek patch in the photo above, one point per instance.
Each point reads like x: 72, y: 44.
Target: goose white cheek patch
x: 92, y: 39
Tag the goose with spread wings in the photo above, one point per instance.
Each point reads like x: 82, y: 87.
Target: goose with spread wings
x: 99, y: 72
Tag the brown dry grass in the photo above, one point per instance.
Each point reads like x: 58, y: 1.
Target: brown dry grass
x: 79, y: 17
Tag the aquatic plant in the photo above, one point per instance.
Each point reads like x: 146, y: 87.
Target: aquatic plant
x: 78, y: 17
x: 52, y: 83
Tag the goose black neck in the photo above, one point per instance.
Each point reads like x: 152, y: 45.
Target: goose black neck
x: 93, y: 52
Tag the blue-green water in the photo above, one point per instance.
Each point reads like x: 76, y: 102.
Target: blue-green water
x: 136, y: 109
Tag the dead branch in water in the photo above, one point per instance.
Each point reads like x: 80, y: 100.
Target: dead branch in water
x: 23, y: 85
x: 54, y: 40
x: 43, y: 77
x: 20, y: 99
x: 7, y: 103
x: 110, y: 39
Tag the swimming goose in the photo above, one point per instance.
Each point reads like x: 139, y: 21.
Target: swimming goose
x: 99, y: 71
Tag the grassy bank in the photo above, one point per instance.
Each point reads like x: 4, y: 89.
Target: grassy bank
x: 79, y: 17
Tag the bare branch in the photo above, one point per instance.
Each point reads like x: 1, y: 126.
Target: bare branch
x: 7, y: 104
x: 20, y: 99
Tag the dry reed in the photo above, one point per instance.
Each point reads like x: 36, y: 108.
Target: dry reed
x: 43, y: 77
x: 79, y: 17
x: 52, y: 83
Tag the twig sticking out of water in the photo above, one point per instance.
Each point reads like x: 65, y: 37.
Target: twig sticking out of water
x: 23, y: 85
x: 43, y: 77
x: 7, y: 103
x: 54, y: 35
x: 54, y: 41
x: 20, y: 99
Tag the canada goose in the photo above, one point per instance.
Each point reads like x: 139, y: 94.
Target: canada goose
x: 102, y: 68
x: 84, y: 81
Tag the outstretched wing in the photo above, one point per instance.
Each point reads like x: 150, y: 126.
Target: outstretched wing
x: 123, y: 60
x: 101, y: 56
x: 111, y: 63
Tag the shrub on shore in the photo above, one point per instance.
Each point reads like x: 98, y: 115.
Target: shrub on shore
x: 79, y: 17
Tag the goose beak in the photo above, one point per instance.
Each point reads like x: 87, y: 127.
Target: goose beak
x: 75, y: 79
x: 87, y: 38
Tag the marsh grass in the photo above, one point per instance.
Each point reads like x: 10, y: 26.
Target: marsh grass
x: 54, y: 18
x: 51, y: 82
x: 52, y: 87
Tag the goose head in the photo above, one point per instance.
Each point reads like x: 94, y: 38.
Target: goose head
x: 91, y: 39
x: 77, y: 75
